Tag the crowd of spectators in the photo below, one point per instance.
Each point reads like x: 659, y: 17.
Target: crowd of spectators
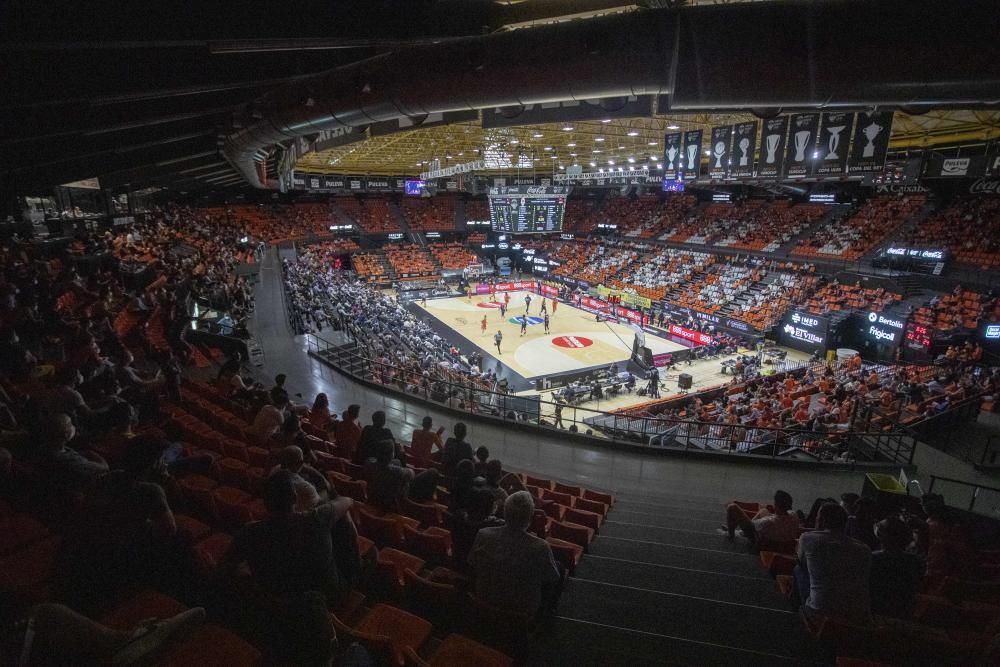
x: 453, y: 256
x: 867, y: 226
x: 429, y: 214
x: 962, y: 309
x: 409, y: 260
x: 835, y: 296
x: 969, y: 228
x: 747, y: 225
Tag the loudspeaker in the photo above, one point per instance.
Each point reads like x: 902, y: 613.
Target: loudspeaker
x: 684, y: 381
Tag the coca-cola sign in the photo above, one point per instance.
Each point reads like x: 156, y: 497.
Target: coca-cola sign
x: 985, y: 186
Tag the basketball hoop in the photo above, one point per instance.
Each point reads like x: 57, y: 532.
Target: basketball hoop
x: 472, y: 271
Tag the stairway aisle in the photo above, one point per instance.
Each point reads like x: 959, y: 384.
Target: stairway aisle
x: 661, y: 586
x: 836, y: 212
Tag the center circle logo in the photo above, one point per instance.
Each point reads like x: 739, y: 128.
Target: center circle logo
x: 572, y: 342
x: 531, y: 320
x: 872, y: 317
x: 488, y: 304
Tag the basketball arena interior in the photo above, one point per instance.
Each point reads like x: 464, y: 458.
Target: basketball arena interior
x: 481, y: 333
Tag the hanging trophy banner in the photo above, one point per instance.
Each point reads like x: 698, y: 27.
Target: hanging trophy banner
x: 871, y: 142
x: 691, y: 156
x: 802, y: 131
x: 834, y: 137
x: 671, y: 155
x: 718, y: 161
x: 744, y: 146
x: 772, y: 147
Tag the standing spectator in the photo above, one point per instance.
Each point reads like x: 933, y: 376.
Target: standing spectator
x: 833, y: 571
x: 513, y: 569
x: 465, y: 525
x: 896, y: 574
x: 371, y: 436
x: 348, y: 432
x: 424, y: 442
x: 455, y: 449
x: 319, y: 415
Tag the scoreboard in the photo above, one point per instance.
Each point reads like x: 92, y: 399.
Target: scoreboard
x: 530, y: 210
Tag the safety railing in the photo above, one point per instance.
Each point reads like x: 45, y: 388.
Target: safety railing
x: 977, y: 498
x: 475, y: 397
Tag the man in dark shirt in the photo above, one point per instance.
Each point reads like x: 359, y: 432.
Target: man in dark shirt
x: 895, y: 574
x: 387, y: 480
x: 268, y: 546
x: 373, y: 434
x: 455, y: 449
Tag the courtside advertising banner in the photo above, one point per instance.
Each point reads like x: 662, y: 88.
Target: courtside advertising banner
x: 695, y: 337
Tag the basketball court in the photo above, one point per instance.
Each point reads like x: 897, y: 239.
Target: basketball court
x: 576, y: 339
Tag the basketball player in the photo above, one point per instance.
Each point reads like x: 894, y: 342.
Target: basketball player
x: 468, y: 291
x: 482, y: 326
x: 506, y: 299
x: 554, y: 304
x: 544, y: 311
x: 527, y: 303
x: 546, y: 322
x: 503, y: 310
x: 524, y: 324
x: 496, y: 341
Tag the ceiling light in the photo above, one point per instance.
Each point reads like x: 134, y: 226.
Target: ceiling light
x: 514, y: 141
x: 571, y: 144
x: 673, y: 127
x: 631, y: 160
x: 561, y: 167
x: 621, y: 169
x: 447, y: 157
x: 572, y: 154
x: 594, y: 164
x: 536, y: 159
x: 633, y: 133
x: 548, y: 148
x: 567, y: 128
x: 461, y: 154
x: 650, y: 143
x: 621, y: 148
x: 611, y: 161
x: 653, y: 157
x: 659, y: 165
x: 708, y: 152
x: 595, y: 151
x: 606, y: 120
x: 538, y: 135
x: 598, y: 138
x: 602, y: 170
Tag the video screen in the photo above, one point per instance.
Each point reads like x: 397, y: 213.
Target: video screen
x: 414, y: 188
x: 527, y: 213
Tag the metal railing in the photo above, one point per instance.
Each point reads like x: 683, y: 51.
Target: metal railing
x: 652, y: 432
x: 984, y: 500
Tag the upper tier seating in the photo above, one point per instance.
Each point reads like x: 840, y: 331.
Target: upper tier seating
x: 453, y: 256
x: 410, y: 261
x: 372, y: 214
x: 835, y: 296
x: 962, y: 309
x: 273, y: 222
x: 969, y: 227
x: 868, y: 226
x: 429, y: 214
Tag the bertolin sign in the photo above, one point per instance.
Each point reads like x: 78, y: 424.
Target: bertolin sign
x: 884, y: 329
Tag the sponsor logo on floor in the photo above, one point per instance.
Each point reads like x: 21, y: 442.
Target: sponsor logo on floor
x: 573, y: 342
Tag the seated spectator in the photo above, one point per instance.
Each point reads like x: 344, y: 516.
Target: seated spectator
x: 766, y: 526
x: 513, y: 569
x: 455, y: 449
x: 494, y: 483
x: 371, y: 436
x: 68, y: 468
x: 895, y: 574
x: 482, y: 456
x: 387, y: 480
x: 270, y: 417
x: 424, y: 442
x: 311, y: 487
x: 265, y: 545
x: 833, y: 571
x: 465, y: 525
x: 319, y: 415
x: 462, y: 484
x: 347, y: 432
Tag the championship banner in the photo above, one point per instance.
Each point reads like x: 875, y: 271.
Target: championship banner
x: 744, y: 146
x: 671, y: 155
x: 833, y: 143
x: 871, y: 142
x: 803, y: 128
x: 719, y: 159
x: 772, y: 147
x: 691, y: 156
x: 633, y: 106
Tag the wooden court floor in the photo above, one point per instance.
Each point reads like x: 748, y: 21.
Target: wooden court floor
x: 576, y: 340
